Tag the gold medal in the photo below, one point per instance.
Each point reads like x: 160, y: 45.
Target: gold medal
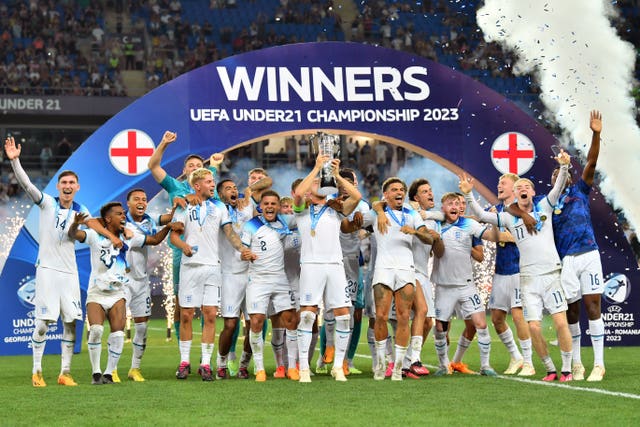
x: 313, y: 233
x: 543, y: 218
x: 557, y: 211
x: 501, y: 244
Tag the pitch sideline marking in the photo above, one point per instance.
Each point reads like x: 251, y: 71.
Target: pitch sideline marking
x: 527, y: 381
x: 548, y: 384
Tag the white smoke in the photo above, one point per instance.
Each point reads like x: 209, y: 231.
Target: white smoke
x: 580, y: 63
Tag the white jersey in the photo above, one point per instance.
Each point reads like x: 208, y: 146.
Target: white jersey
x: 230, y: 258
x: 202, y: 224
x: 394, y: 248
x: 422, y: 252
x: 538, y: 254
x: 137, y: 257
x: 323, y: 246
x: 350, y: 242
x: 265, y: 240
x: 109, y: 266
x: 454, y: 267
x: 56, y: 250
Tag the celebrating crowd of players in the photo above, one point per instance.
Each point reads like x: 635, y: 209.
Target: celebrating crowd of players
x: 260, y: 255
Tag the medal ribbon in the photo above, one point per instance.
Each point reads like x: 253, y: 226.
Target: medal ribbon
x: 315, y: 218
x: 394, y: 217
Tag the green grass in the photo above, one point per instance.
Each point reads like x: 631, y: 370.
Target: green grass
x: 456, y: 400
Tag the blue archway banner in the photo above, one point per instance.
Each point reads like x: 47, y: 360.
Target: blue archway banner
x: 339, y: 87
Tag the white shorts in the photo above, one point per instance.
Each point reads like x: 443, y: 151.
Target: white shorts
x: 199, y: 286
x: 393, y: 279
x: 57, y: 294
x: 106, y: 299
x: 447, y: 297
x: 138, y: 295
x: 505, y: 292
x: 275, y: 292
x: 427, y: 290
x: 324, y: 280
x: 351, y: 267
x: 543, y: 292
x: 581, y: 275
x: 234, y: 288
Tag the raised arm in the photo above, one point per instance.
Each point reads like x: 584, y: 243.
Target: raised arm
x: 13, y: 154
x: 466, y: 187
x: 352, y: 226
x: 354, y: 194
x: 157, y: 238
x: 589, y: 170
x: 156, y: 170
x: 563, y: 159
x: 305, y: 185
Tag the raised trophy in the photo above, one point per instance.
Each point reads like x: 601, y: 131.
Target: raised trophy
x: 326, y: 145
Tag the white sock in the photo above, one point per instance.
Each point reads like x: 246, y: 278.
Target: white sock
x: 307, y: 319
x: 399, y: 355
x: 257, y: 347
x: 406, y: 361
x: 277, y: 345
x: 342, y: 334
x: 507, y: 339
x: 576, y: 335
x: 207, y: 352
x: 389, y: 349
x: 38, y: 342
x: 566, y: 360
x: 371, y: 341
x: 381, y: 350
x: 245, y: 359
x: 463, y: 345
x: 292, y: 348
x: 440, y: 340
x: 115, y: 343
x: 185, y: 351
x: 527, y: 351
x: 329, y: 327
x: 66, y: 346
x: 94, y: 345
x: 484, y: 344
x: 139, y: 344
x: 221, y: 361
x: 596, y: 327
x: 548, y: 364
x: 416, y: 348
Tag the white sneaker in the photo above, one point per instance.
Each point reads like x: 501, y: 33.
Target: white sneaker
x: 597, y: 374
x: 514, y: 365
x: 378, y: 372
x: 527, y: 370
x: 305, y: 376
x: 396, y: 374
x: 338, y: 374
x: 577, y: 371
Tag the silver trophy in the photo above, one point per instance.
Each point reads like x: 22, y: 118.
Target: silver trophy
x: 326, y: 145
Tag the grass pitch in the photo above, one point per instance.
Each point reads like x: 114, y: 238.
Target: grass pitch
x: 455, y: 400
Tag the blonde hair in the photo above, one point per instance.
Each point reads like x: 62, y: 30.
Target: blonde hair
x: 286, y: 199
x: 526, y: 180
x: 449, y: 195
x: 512, y: 176
x: 198, y: 175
